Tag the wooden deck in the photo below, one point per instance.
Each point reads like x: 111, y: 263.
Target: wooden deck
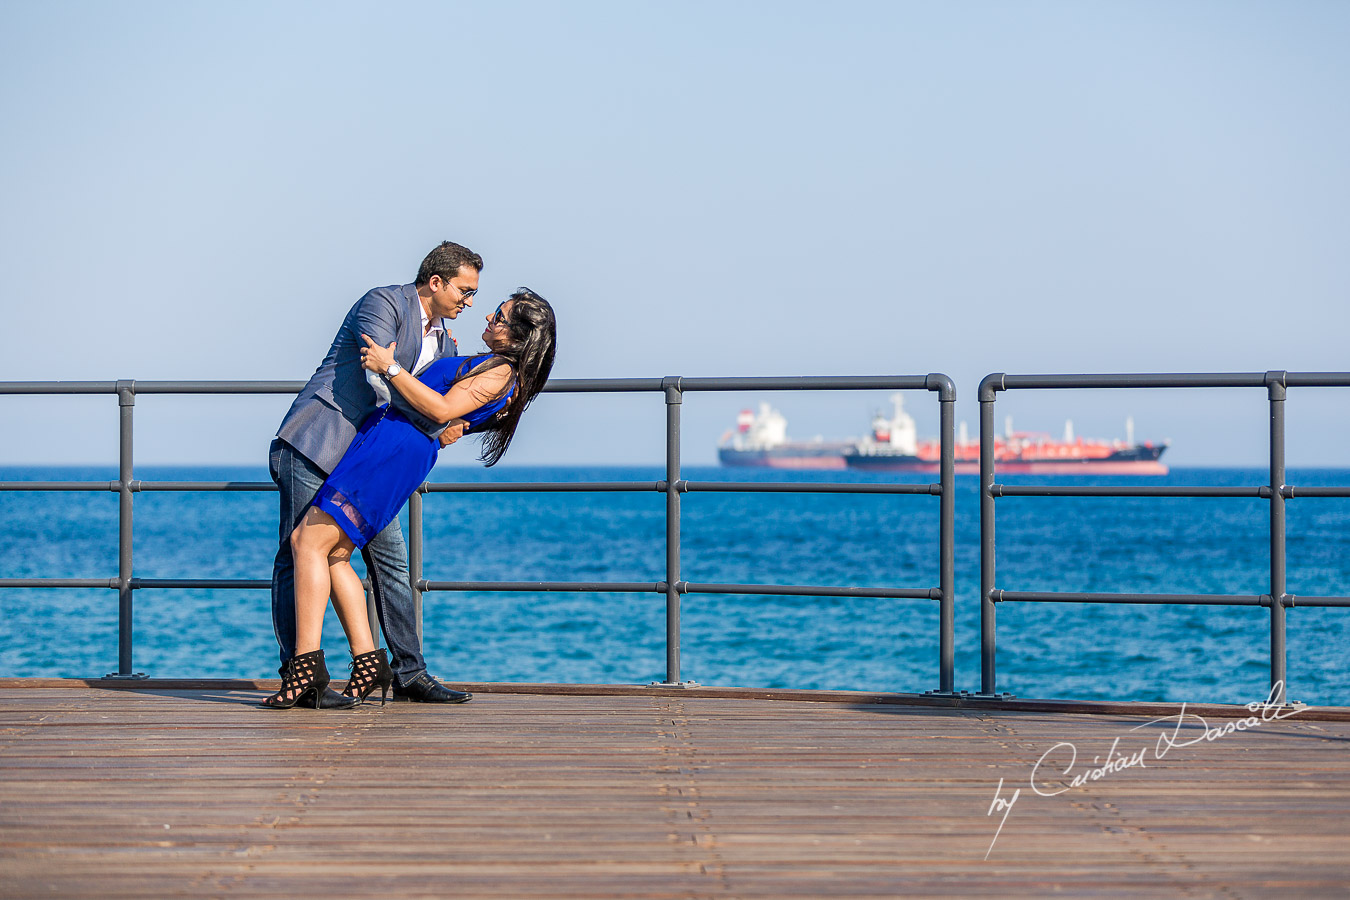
x: 157, y: 792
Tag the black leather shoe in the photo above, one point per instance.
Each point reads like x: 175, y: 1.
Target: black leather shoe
x: 425, y: 689
x: 331, y: 699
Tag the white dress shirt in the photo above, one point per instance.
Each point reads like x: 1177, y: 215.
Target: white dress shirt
x: 431, y: 334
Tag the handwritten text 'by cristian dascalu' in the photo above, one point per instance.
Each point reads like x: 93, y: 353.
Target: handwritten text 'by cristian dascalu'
x: 1062, y: 758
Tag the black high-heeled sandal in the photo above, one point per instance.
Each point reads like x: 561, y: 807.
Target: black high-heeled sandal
x: 370, y: 670
x: 305, y: 678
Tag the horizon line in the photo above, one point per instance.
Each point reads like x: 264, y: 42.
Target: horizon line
x: 713, y: 464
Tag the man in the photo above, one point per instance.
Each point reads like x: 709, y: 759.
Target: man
x: 322, y: 422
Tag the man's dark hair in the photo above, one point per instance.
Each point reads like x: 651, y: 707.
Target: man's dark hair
x: 445, y: 261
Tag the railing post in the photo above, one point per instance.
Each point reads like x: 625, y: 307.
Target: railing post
x: 674, y: 398
x: 988, y: 387
x: 946, y: 533
x: 415, y: 556
x: 1275, y: 386
x: 126, y: 403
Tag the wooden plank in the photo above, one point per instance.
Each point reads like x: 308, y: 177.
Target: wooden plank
x: 916, y: 702
x: 160, y: 792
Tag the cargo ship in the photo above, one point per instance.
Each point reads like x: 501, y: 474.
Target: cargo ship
x: 893, y: 445
x: 761, y: 441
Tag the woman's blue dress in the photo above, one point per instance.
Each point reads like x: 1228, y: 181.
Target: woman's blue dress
x: 390, y: 457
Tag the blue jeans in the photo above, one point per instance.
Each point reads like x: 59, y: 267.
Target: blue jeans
x: 386, y: 563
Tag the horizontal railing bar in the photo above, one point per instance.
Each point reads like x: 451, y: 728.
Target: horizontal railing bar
x: 1291, y: 491
x: 1194, y: 599
x: 58, y: 387
x: 499, y: 487
x: 113, y: 486
x: 792, y: 590
x: 488, y: 487
x: 1173, y: 380
x: 804, y: 383
x: 1140, y: 380
x: 141, y: 486
x: 204, y: 583
x: 768, y: 487
x: 141, y: 583
x: 1299, y: 600
x: 152, y: 387
x: 137, y: 486
x: 217, y: 387
x: 696, y: 588
x: 588, y: 587
x: 1046, y: 490
x: 788, y: 487
x: 602, y: 385
x: 555, y: 386
x: 58, y: 583
x: 683, y: 587
x: 1317, y: 379
x: 474, y: 487
x: 823, y: 383
x: 809, y: 383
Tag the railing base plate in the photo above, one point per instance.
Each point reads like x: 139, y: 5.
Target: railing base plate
x: 955, y: 695
x: 997, y: 695
x: 674, y: 684
x: 130, y: 676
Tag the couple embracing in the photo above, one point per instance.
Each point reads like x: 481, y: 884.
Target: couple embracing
x: 359, y: 439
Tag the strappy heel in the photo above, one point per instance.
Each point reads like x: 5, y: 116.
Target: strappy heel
x: 370, y: 670
x: 304, y: 680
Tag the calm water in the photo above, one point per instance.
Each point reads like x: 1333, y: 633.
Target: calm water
x: 1045, y: 650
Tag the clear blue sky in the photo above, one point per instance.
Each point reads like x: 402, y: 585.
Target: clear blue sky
x: 200, y: 191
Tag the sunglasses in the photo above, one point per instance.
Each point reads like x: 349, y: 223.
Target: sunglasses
x: 467, y: 295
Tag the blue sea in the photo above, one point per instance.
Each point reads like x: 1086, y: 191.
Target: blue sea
x: 1085, y: 651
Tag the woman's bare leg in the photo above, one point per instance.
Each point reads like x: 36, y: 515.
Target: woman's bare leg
x: 349, y: 597
x: 312, y: 541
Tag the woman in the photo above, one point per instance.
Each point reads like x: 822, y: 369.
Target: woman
x: 387, y: 460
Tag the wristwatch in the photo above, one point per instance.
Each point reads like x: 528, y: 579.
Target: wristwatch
x: 394, y: 369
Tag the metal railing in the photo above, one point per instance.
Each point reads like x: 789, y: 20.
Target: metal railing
x: 672, y: 486
x: 1277, y: 599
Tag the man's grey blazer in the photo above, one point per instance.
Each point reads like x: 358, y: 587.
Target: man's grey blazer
x: 337, y: 398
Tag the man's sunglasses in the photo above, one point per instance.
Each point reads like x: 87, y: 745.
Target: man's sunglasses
x: 467, y: 295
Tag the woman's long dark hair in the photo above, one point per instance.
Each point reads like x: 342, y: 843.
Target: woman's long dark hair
x: 533, y: 333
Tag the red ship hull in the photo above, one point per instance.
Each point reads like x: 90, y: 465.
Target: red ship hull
x: 1081, y: 458
x: 1026, y: 467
